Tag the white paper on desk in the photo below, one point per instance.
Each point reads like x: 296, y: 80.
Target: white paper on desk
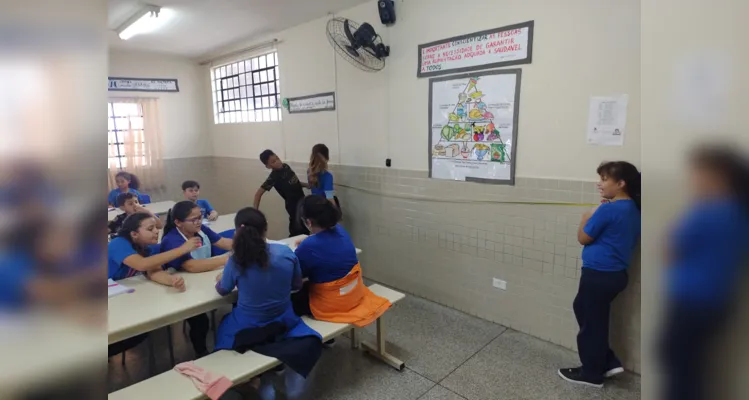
x: 117, y: 289
x: 607, y: 120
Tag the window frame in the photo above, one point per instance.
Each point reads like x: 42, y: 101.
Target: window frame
x: 247, y: 90
x: 119, y: 141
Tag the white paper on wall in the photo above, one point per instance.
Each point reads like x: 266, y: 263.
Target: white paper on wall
x: 607, y: 119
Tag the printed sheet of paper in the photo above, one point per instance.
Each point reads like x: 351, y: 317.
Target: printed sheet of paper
x: 607, y: 120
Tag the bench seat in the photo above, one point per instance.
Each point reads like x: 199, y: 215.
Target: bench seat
x: 237, y: 367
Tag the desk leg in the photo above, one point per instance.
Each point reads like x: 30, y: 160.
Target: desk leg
x: 378, y: 351
x: 171, y: 345
x: 354, y: 338
x: 151, y: 355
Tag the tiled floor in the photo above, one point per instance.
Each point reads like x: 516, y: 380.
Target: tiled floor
x: 449, y: 356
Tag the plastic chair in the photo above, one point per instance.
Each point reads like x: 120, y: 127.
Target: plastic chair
x: 144, y: 198
x: 215, y: 251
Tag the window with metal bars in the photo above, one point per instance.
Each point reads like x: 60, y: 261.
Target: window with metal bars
x: 247, y: 91
x: 125, y: 126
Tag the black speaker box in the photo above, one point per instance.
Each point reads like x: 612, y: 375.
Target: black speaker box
x: 387, y: 11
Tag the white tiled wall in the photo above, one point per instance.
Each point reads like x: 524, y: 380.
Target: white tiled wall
x: 446, y: 241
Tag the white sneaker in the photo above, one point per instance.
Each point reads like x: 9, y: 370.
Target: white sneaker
x: 613, y: 372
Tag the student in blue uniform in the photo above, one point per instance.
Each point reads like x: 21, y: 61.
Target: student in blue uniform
x: 135, y: 251
x: 191, y: 190
x: 264, y: 276
x: 707, y: 258
x: 126, y: 182
x: 609, y: 234
x: 319, y: 179
x: 128, y: 202
x: 185, y: 222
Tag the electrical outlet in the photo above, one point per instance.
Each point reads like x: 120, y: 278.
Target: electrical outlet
x: 499, y: 284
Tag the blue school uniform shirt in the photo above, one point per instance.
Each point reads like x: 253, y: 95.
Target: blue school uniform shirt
x: 327, y: 256
x: 615, y: 228
x: 709, y: 248
x: 118, y: 250
x: 324, y: 185
x: 16, y: 271
x: 205, y: 207
x: 112, y: 198
x: 263, y: 293
x: 174, y: 239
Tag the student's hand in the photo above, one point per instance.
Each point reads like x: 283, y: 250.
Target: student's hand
x: 178, y: 283
x: 299, y: 241
x: 213, y: 215
x: 219, y: 276
x: 193, y: 243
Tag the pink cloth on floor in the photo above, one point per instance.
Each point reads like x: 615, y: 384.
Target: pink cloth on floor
x: 209, y: 384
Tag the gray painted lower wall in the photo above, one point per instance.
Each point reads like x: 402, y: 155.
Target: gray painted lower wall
x: 446, y: 241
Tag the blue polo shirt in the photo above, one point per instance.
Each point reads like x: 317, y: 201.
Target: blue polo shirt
x: 327, y: 256
x: 112, y: 198
x: 615, y: 229
x: 205, y: 207
x: 118, y: 250
x: 174, y: 239
x: 709, y: 248
x: 324, y: 185
x: 16, y: 271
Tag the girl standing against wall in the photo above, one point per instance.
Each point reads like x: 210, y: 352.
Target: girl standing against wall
x: 609, y: 234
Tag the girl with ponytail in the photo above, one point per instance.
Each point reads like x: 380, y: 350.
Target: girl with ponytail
x: 609, y: 234
x: 263, y: 321
x: 707, y: 260
x: 319, y: 178
x: 335, y: 291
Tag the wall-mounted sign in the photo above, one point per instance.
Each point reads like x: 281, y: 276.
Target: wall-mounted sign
x: 142, y: 85
x: 312, y: 103
x: 499, y: 47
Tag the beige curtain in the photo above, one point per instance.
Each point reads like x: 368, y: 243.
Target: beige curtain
x: 142, y: 148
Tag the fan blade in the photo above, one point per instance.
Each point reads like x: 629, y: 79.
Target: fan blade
x: 349, y: 35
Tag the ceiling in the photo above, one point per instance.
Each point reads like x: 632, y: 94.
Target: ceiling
x: 198, y: 27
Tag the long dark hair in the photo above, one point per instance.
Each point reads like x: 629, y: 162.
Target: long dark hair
x: 249, y: 244
x: 179, y: 212
x: 729, y: 164
x: 132, y: 224
x: 320, y: 211
x: 318, y: 162
x: 134, y: 182
x: 623, y: 171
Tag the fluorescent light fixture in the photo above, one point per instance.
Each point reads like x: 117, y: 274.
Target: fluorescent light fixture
x: 147, y: 19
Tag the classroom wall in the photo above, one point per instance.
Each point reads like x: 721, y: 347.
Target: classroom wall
x: 184, y: 125
x: 443, y: 240
x: 384, y: 114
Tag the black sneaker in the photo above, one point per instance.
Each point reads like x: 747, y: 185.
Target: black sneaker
x: 576, y: 375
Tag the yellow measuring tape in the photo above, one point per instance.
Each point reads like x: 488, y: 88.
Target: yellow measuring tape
x: 435, y: 200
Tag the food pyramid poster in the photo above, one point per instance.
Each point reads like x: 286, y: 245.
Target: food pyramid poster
x: 472, y: 126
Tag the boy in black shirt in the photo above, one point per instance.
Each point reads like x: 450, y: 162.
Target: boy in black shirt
x: 286, y: 183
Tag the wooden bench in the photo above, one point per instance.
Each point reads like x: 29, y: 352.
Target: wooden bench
x: 240, y: 368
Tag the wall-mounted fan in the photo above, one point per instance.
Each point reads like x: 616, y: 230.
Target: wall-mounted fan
x: 359, y: 45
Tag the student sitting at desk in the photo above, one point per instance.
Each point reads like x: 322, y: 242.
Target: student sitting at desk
x: 135, y: 251
x: 128, y: 202
x: 185, y: 222
x: 191, y: 190
x: 126, y: 183
x: 335, y: 291
x: 264, y: 320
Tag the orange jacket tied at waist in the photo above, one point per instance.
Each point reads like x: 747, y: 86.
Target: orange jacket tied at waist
x: 346, y: 300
